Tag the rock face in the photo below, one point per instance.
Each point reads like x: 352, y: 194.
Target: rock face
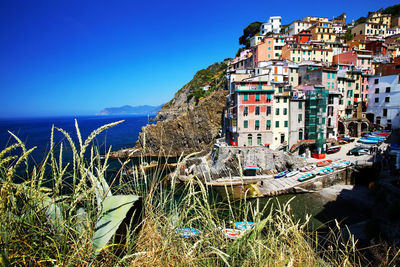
x: 190, y: 122
x: 226, y: 162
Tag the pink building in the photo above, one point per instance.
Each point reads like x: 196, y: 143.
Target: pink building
x: 361, y: 59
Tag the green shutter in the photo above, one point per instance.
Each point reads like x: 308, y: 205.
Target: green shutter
x: 257, y: 123
x: 285, y: 111
x: 286, y: 124
x: 300, y: 104
x: 268, y: 123
x: 245, y: 97
x: 277, y: 111
x: 257, y: 97
x: 245, y: 124
x: 277, y: 124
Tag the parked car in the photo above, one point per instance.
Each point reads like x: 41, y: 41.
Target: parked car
x: 357, y: 151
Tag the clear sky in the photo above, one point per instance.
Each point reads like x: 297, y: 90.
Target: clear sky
x: 78, y: 57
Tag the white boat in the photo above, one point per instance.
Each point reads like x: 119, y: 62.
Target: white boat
x: 292, y: 173
x: 308, y: 168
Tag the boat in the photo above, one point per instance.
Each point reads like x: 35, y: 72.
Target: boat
x: 368, y: 141
x: 381, y: 133
x: 308, y: 168
x: 306, y: 177
x: 325, y: 171
x: 324, y: 163
x: 281, y: 174
x: 188, y: 232
x: 373, y: 137
x: 292, y: 173
x: 333, y: 149
x: 341, y: 165
x: 232, y: 233
x: 244, y: 225
x: 250, y: 167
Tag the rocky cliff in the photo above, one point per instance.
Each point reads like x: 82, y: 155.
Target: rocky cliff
x: 190, y: 122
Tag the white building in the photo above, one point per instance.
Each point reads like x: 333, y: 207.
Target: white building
x: 297, y: 26
x: 384, y: 100
x: 273, y: 25
x: 393, y: 31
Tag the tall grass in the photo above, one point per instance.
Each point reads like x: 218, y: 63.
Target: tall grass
x: 44, y: 226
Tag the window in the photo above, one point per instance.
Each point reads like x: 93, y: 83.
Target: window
x: 328, y: 75
x: 268, y: 111
x: 376, y: 81
x: 258, y: 139
x: 257, y: 97
x: 286, y: 124
x: 300, y: 117
x: 257, y: 125
x: 376, y: 99
x: 277, y: 111
x: 384, y: 112
x: 285, y: 100
x: 333, y: 85
x: 245, y: 124
x: 277, y: 124
x: 268, y: 98
x: 250, y: 140
x: 387, y: 89
x: 245, y: 97
x: 268, y: 124
x: 387, y: 99
x: 376, y: 90
x: 285, y: 111
x: 257, y: 110
x: 245, y: 111
x: 280, y: 89
x: 333, y: 75
x: 277, y: 100
x: 300, y: 135
x: 300, y: 105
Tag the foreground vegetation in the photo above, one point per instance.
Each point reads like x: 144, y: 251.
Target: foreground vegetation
x: 67, y: 214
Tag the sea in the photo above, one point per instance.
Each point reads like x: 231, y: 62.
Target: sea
x: 36, y: 132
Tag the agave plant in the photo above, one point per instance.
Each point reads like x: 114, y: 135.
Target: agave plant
x: 66, y: 211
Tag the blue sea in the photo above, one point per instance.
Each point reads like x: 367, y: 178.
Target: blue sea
x: 36, y: 132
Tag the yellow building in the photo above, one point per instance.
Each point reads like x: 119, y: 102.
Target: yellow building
x: 301, y: 52
x: 369, y: 29
x: 379, y: 18
x: 323, y: 31
x: 315, y: 19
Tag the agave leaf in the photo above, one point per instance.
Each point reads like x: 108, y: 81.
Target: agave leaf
x: 113, y: 212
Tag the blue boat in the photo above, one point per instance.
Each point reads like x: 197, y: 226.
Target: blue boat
x: 281, y: 174
x: 374, y: 137
x: 306, y: 177
x: 368, y: 141
x: 188, y: 232
x: 244, y: 225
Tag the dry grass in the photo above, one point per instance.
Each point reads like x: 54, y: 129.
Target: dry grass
x: 31, y: 235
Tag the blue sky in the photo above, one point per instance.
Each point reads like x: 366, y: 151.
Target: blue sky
x: 78, y: 57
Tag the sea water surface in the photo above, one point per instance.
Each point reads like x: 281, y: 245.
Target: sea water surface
x: 36, y: 132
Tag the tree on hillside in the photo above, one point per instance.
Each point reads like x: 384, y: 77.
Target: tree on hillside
x: 249, y: 32
x: 392, y: 10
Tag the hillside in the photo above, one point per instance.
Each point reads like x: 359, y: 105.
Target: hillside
x: 190, y: 121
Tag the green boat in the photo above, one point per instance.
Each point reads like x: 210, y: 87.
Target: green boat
x: 306, y: 177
